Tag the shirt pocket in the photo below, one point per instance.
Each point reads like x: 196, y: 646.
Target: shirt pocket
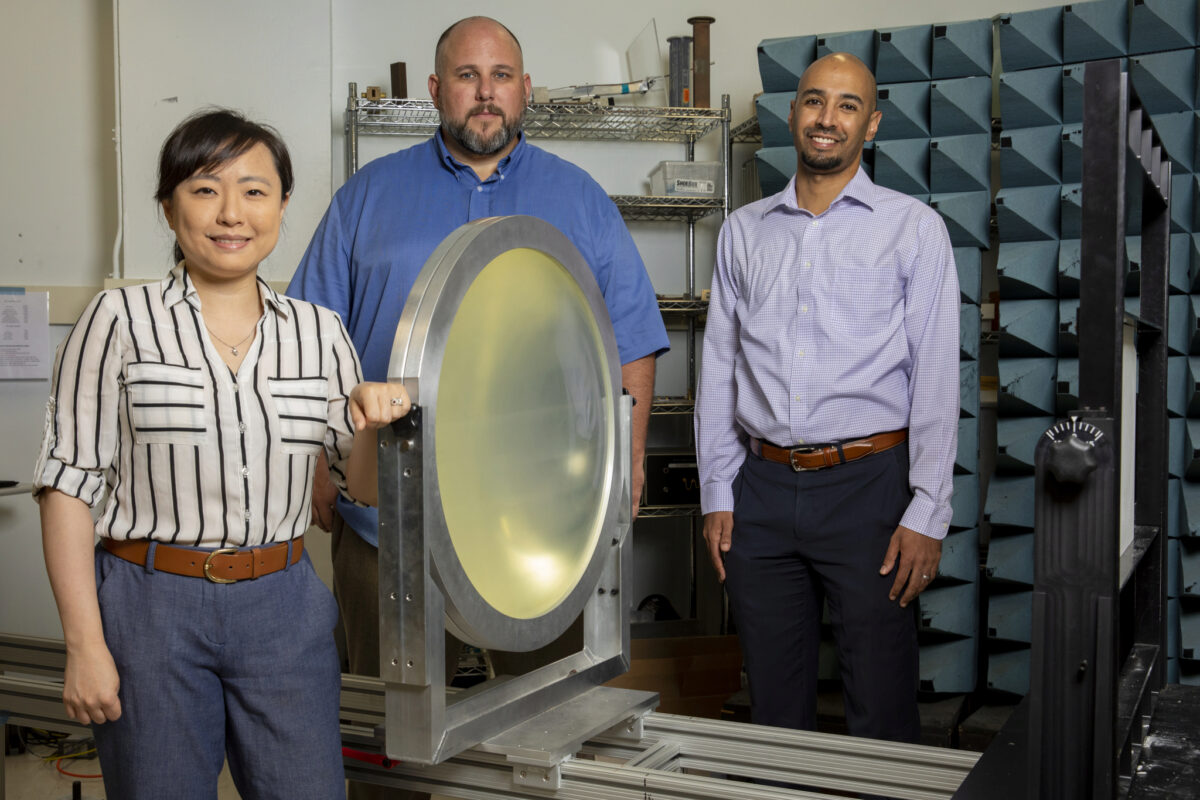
x: 166, y: 403
x: 303, y: 408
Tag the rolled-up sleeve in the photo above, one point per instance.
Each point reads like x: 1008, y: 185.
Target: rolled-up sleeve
x: 82, y: 436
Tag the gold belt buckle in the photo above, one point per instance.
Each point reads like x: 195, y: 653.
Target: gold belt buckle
x: 208, y: 565
x: 802, y: 451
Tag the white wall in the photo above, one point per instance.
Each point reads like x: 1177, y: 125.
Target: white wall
x: 269, y: 60
x: 288, y: 62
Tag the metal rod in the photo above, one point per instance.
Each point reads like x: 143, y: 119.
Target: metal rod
x: 351, y: 131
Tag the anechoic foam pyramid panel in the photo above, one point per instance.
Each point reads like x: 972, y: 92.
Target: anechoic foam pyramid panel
x: 1010, y: 558
x: 1174, y: 568
x: 1072, y: 153
x: 1196, y: 149
x: 1179, y: 278
x: 1174, y: 508
x: 905, y: 110
x: 969, y: 330
x: 1183, y: 338
x: 965, y: 503
x: 1193, y: 261
x: 1031, y: 38
x: 1177, y: 130
x: 1071, y: 211
x: 968, y: 389
x: 948, y: 666
x: 1031, y: 98
x: 1028, y: 213
x: 1068, y: 267
x: 1027, y: 270
x: 1178, y: 378
x: 962, y: 49
x: 903, y: 54
x: 1189, y: 564
x: 1178, y: 452
x: 1189, y: 523
x: 966, y: 216
x: 966, y: 457
x: 1191, y: 454
x: 1027, y: 386
x: 1008, y: 671
x: 1183, y: 195
x: 1010, y: 617
x: 776, y: 165
x: 950, y: 609
x: 960, y: 106
x: 960, y: 557
x: 857, y: 43
x: 1016, y: 440
x: 1165, y: 82
x: 1189, y: 637
x: 772, y: 111
x: 1072, y: 94
x: 1067, y: 386
x: 1031, y: 156
x: 960, y: 163
x: 903, y: 165
x: 1095, y: 30
x: 1191, y: 386
x: 967, y: 261
x: 782, y: 61
x: 1162, y: 25
x: 1010, y: 501
x: 1028, y: 328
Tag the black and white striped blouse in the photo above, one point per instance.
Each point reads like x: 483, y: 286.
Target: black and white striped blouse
x: 143, y: 406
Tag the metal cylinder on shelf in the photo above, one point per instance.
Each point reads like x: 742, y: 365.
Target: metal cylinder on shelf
x: 678, y: 93
x: 700, y: 60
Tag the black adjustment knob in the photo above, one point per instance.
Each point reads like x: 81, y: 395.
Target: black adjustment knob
x: 1071, y: 459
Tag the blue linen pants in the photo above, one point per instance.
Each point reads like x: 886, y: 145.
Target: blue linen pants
x: 803, y: 537
x: 247, y: 670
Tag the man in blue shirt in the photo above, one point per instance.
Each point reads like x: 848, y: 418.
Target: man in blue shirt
x: 390, y: 216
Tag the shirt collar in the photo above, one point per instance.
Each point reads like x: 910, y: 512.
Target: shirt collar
x: 510, y: 161
x: 177, y: 287
x: 860, y: 189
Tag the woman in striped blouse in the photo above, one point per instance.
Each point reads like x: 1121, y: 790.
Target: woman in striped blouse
x: 191, y: 414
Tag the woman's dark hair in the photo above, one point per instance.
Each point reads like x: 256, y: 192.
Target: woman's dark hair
x: 210, y: 139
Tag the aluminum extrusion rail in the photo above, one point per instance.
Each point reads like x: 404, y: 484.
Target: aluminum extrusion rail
x: 676, y: 758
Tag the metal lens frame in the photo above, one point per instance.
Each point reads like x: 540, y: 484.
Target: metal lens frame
x: 425, y: 590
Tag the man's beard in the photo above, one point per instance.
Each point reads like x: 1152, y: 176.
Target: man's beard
x: 822, y: 162
x: 472, y: 141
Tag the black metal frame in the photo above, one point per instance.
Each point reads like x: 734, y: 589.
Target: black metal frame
x: 1099, y: 613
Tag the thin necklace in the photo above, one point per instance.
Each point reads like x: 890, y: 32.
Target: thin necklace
x: 233, y: 348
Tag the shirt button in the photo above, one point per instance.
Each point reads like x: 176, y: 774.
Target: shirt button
x: 799, y: 441
x: 797, y: 398
x: 241, y: 427
x: 246, y: 514
x: 479, y: 188
x: 807, y: 264
x: 816, y: 223
x: 800, y: 354
x: 245, y: 472
x: 804, y: 308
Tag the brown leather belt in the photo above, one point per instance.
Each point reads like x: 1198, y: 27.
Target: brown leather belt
x: 227, y: 565
x: 807, y: 459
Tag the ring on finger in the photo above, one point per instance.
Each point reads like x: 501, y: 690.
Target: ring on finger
x: 397, y: 401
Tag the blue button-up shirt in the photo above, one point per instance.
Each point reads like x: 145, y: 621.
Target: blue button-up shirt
x: 830, y: 327
x: 386, y: 221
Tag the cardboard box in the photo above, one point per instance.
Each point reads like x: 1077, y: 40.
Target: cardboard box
x: 693, y: 675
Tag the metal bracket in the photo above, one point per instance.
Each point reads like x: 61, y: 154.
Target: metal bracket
x: 537, y: 777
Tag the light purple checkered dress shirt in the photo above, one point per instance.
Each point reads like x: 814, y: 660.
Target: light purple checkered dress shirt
x: 833, y: 327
